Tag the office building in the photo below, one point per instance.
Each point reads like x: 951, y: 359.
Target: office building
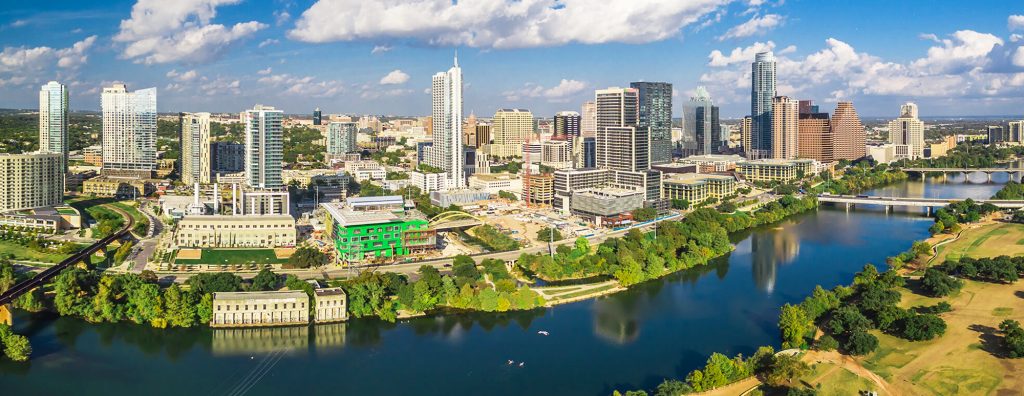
x: 264, y: 150
x: 567, y: 125
x: 697, y: 187
x: 588, y: 119
x: 446, y: 110
x: 53, y: 120
x: 620, y: 144
x: 129, y: 131
x: 847, y: 133
x: 655, y: 116
x: 589, y: 156
x: 31, y: 180
x: 762, y: 92
x: 996, y: 134
x: 510, y: 129
x: 483, y: 135
x: 541, y: 190
x: 428, y: 182
x: 230, y: 231
x: 331, y: 305
x: 815, y: 139
x: 494, y: 183
x: 781, y: 170
x: 118, y: 186
x: 713, y: 162
x: 606, y: 206
x: 700, y: 120
x: 365, y: 234
x: 1016, y: 131
x: 341, y: 138
x: 567, y: 181
x: 194, y: 139
x: 785, y: 125
x: 264, y: 308
x: 318, y: 118
x: 227, y: 157
x: 908, y: 130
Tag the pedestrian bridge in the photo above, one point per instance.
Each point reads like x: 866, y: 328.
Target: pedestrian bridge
x: 888, y: 202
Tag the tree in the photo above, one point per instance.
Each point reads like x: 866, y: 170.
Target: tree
x: 939, y: 284
x: 923, y: 327
x: 671, y: 387
x: 848, y: 320
x: 549, y: 234
x: 1013, y: 337
x: 794, y: 324
x: 784, y: 369
x: 464, y: 269
x: 680, y: 204
x: 122, y: 252
x: 180, y: 307
x: 265, y: 280
x: 204, y: 283
x: 15, y: 346
x: 826, y: 343
x: 307, y: 257
x: 861, y: 343
x: 507, y: 195
x: 205, y: 309
x: 644, y: 214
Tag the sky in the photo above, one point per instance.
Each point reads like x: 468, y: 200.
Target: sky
x: 377, y: 56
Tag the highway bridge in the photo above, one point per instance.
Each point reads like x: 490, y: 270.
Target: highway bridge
x: 889, y: 202
x: 987, y: 171
x: 7, y: 297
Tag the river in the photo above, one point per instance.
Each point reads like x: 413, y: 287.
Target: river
x: 634, y: 339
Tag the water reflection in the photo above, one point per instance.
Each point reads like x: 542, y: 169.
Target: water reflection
x: 770, y: 249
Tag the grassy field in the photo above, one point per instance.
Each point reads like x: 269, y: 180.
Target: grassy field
x: 234, y: 256
x: 988, y: 241
x: 836, y: 381
x: 18, y: 252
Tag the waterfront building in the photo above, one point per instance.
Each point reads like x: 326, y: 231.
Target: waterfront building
x: 588, y: 119
x: 621, y: 145
x: 31, y: 180
x: 231, y: 231
x: 713, y: 163
x: 331, y: 305
x: 769, y: 170
x: 815, y: 138
x: 53, y: 120
x: 341, y: 138
x: 264, y: 308
x: 908, y: 130
x: 446, y: 151
x: 762, y: 92
x: 194, y: 139
x: 606, y: 205
x: 697, y: 187
x: 785, y: 125
x: 996, y: 134
x: 848, y: 139
x: 700, y: 121
x: 129, y: 131
x: 366, y: 234
x: 264, y: 150
x: 655, y: 116
x: 566, y: 181
x: 510, y: 129
x: 1015, y: 131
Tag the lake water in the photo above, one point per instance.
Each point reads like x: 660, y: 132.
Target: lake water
x: 634, y: 339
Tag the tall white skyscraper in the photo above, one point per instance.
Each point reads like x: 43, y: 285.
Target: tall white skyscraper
x: 341, y: 138
x: 129, y: 131
x: 447, y: 151
x: 588, y: 120
x: 908, y: 130
x: 263, y: 147
x: 700, y: 122
x: 53, y: 119
x: 195, y: 148
x: 762, y: 90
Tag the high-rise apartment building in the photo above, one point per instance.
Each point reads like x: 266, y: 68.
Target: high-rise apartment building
x: 745, y: 133
x: 318, y: 117
x: 908, y: 130
x: 446, y: 110
x: 588, y: 119
x: 510, y: 128
x: 762, y: 91
x: 621, y: 145
x: 196, y: 156
x: 785, y: 126
x: 341, y: 138
x: 815, y: 138
x: 469, y: 131
x: 996, y: 134
x: 129, y: 131
x: 655, y: 112
x: 264, y: 151
x: 567, y: 125
x: 227, y: 157
x: 700, y: 120
x: 31, y: 180
x: 53, y: 120
x: 847, y: 133
x: 1016, y: 131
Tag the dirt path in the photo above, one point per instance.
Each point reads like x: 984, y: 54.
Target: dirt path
x: 846, y: 362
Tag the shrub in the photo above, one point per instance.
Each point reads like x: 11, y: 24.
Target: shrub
x: 861, y: 343
x: 826, y: 343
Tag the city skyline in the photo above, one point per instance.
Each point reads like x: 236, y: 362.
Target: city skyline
x: 255, y: 51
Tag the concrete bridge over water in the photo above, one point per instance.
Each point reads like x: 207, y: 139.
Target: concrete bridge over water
x: 1015, y: 174
x: 851, y: 200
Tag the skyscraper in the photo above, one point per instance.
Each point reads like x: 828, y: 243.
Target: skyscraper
x: 656, y: 116
x: 745, y: 127
x: 318, y: 118
x: 588, y: 119
x: 815, y: 138
x: 53, y: 120
x: 996, y: 134
x: 621, y: 145
x: 762, y: 91
x: 908, y: 130
x: 341, y: 138
x: 1016, y: 131
x: 785, y: 127
x: 263, y: 147
x: 483, y: 134
x: 446, y: 151
x: 129, y: 131
x: 510, y: 128
x: 700, y: 119
x: 567, y: 125
x: 196, y: 157
x: 847, y: 133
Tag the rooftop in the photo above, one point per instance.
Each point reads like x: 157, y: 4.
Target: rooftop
x: 695, y: 178
x: 714, y: 158
x: 608, y: 192
x: 261, y: 295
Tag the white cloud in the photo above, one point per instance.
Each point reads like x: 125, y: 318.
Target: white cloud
x: 1015, y: 22
x: 267, y: 42
x: 265, y: 71
x: 394, y: 78
x: 965, y: 50
x: 24, y: 65
x: 281, y: 17
x: 19, y: 23
x: 758, y: 25
x: 303, y: 86
x: 179, y: 31
x: 739, y: 55
x: 500, y: 23
x: 565, y: 89
x: 380, y: 49
x: 184, y: 76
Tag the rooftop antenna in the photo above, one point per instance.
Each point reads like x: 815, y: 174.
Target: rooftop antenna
x: 456, y: 57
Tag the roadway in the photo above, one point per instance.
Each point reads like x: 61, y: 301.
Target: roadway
x: 963, y: 170
x: 915, y: 202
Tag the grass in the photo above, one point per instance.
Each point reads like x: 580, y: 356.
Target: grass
x: 1002, y: 311
x: 989, y: 241
x: 580, y: 293
x: 835, y: 381
x: 234, y: 256
x: 18, y: 252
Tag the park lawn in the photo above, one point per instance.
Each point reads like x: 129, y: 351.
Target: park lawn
x: 18, y: 252
x: 835, y: 380
x: 234, y: 256
x: 988, y: 241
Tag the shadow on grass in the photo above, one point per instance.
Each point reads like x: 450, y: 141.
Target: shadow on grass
x: 991, y: 342
x: 1019, y: 294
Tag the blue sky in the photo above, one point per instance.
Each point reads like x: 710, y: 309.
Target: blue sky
x: 376, y: 57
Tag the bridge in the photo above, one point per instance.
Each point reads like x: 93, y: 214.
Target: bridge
x: 889, y: 202
x: 453, y: 220
x: 986, y: 171
x: 7, y: 297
